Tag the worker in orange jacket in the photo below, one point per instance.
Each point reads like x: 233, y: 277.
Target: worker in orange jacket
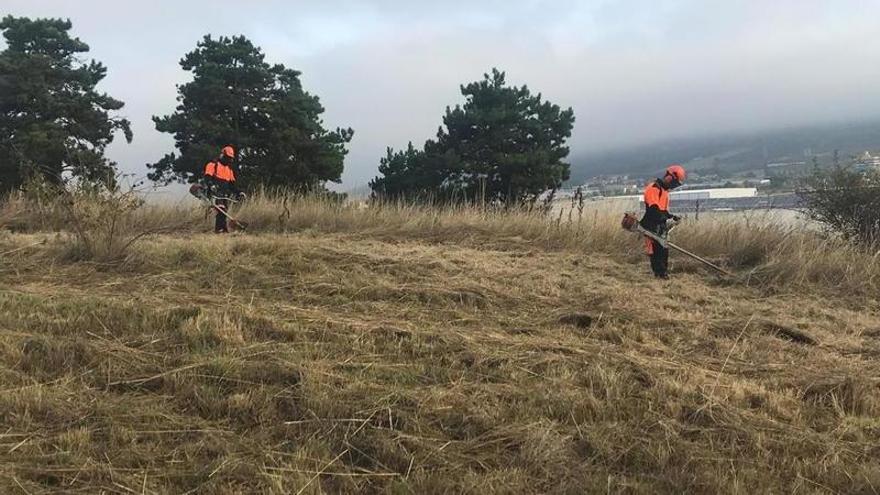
x: 220, y: 182
x: 657, y: 215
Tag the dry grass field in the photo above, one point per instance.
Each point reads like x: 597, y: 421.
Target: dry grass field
x: 398, y: 349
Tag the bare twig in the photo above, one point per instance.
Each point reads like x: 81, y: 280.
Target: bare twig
x: 22, y: 248
x: 319, y: 473
x: 729, y: 353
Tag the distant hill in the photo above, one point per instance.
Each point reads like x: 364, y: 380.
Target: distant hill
x: 734, y: 152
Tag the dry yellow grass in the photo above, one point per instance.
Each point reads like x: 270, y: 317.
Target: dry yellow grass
x: 409, y: 350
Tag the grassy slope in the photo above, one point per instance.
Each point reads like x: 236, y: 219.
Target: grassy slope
x: 251, y: 364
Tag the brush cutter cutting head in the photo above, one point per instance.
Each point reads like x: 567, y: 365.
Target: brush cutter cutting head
x: 629, y: 221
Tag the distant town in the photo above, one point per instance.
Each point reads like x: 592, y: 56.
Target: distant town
x: 774, y: 178
x: 711, y: 188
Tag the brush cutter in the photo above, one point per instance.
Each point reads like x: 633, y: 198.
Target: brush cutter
x: 631, y: 223
x: 198, y: 191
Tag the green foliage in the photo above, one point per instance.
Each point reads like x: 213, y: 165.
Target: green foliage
x: 52, y: 119
x: 409, y: 174
x: 237, y: 98
x: 846, y: 201
x: 503, y: 144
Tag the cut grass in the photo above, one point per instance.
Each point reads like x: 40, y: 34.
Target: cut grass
x: 351, y: 362
x: 415, y: 350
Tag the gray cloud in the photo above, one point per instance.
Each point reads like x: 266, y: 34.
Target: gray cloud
x: 634, y: 71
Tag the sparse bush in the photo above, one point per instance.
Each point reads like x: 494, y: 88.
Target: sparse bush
x: 102, y: 221
x: 846, y: 201
x: 97, y: 216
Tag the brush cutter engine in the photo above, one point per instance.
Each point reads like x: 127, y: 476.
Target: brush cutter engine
x: 198, y: 191
x: 629, y: 222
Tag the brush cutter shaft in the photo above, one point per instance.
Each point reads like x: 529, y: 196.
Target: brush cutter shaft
x: 631, y: 223
x: 236, y: 223
x: 665, y: 243
x: 198, y: 191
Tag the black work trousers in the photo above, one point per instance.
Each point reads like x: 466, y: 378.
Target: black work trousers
x: 659, y: 259
x: 220, y: 224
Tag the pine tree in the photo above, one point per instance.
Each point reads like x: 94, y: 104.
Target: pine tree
x: 504, y: 144
x: 53, y: 122
x: 237, y: 98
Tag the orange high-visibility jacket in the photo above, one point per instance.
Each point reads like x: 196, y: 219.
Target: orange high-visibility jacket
x: 219, y: 171
x: 657, y: 196
x: 656, y: 211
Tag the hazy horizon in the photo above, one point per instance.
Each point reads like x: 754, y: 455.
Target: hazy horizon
x: 635, y: 72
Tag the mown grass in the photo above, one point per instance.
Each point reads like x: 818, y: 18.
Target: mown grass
x: 409, y: 350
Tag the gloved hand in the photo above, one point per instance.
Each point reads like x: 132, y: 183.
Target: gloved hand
x: 240, y: 196
x: 675, y: 218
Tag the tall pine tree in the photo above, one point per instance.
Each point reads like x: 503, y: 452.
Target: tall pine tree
x: 237, y: 98
x: 53, y: 122
x: 504, y: 144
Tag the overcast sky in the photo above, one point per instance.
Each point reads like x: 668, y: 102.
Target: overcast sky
x: 634, y: 70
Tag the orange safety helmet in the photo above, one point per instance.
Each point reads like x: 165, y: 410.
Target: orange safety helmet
x: 677, y: 172
x: 228, y: 151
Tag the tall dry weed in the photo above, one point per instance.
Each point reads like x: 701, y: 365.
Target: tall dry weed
x: 761, y: 249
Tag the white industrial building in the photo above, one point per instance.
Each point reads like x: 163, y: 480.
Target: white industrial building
x: 722, y: 193
x: 702, y: 194
x: 686, y: 195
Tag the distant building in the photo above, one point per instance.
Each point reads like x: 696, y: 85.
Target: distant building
x: 721, y: 193
x: 706, y: 194
x: 868, y: 161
